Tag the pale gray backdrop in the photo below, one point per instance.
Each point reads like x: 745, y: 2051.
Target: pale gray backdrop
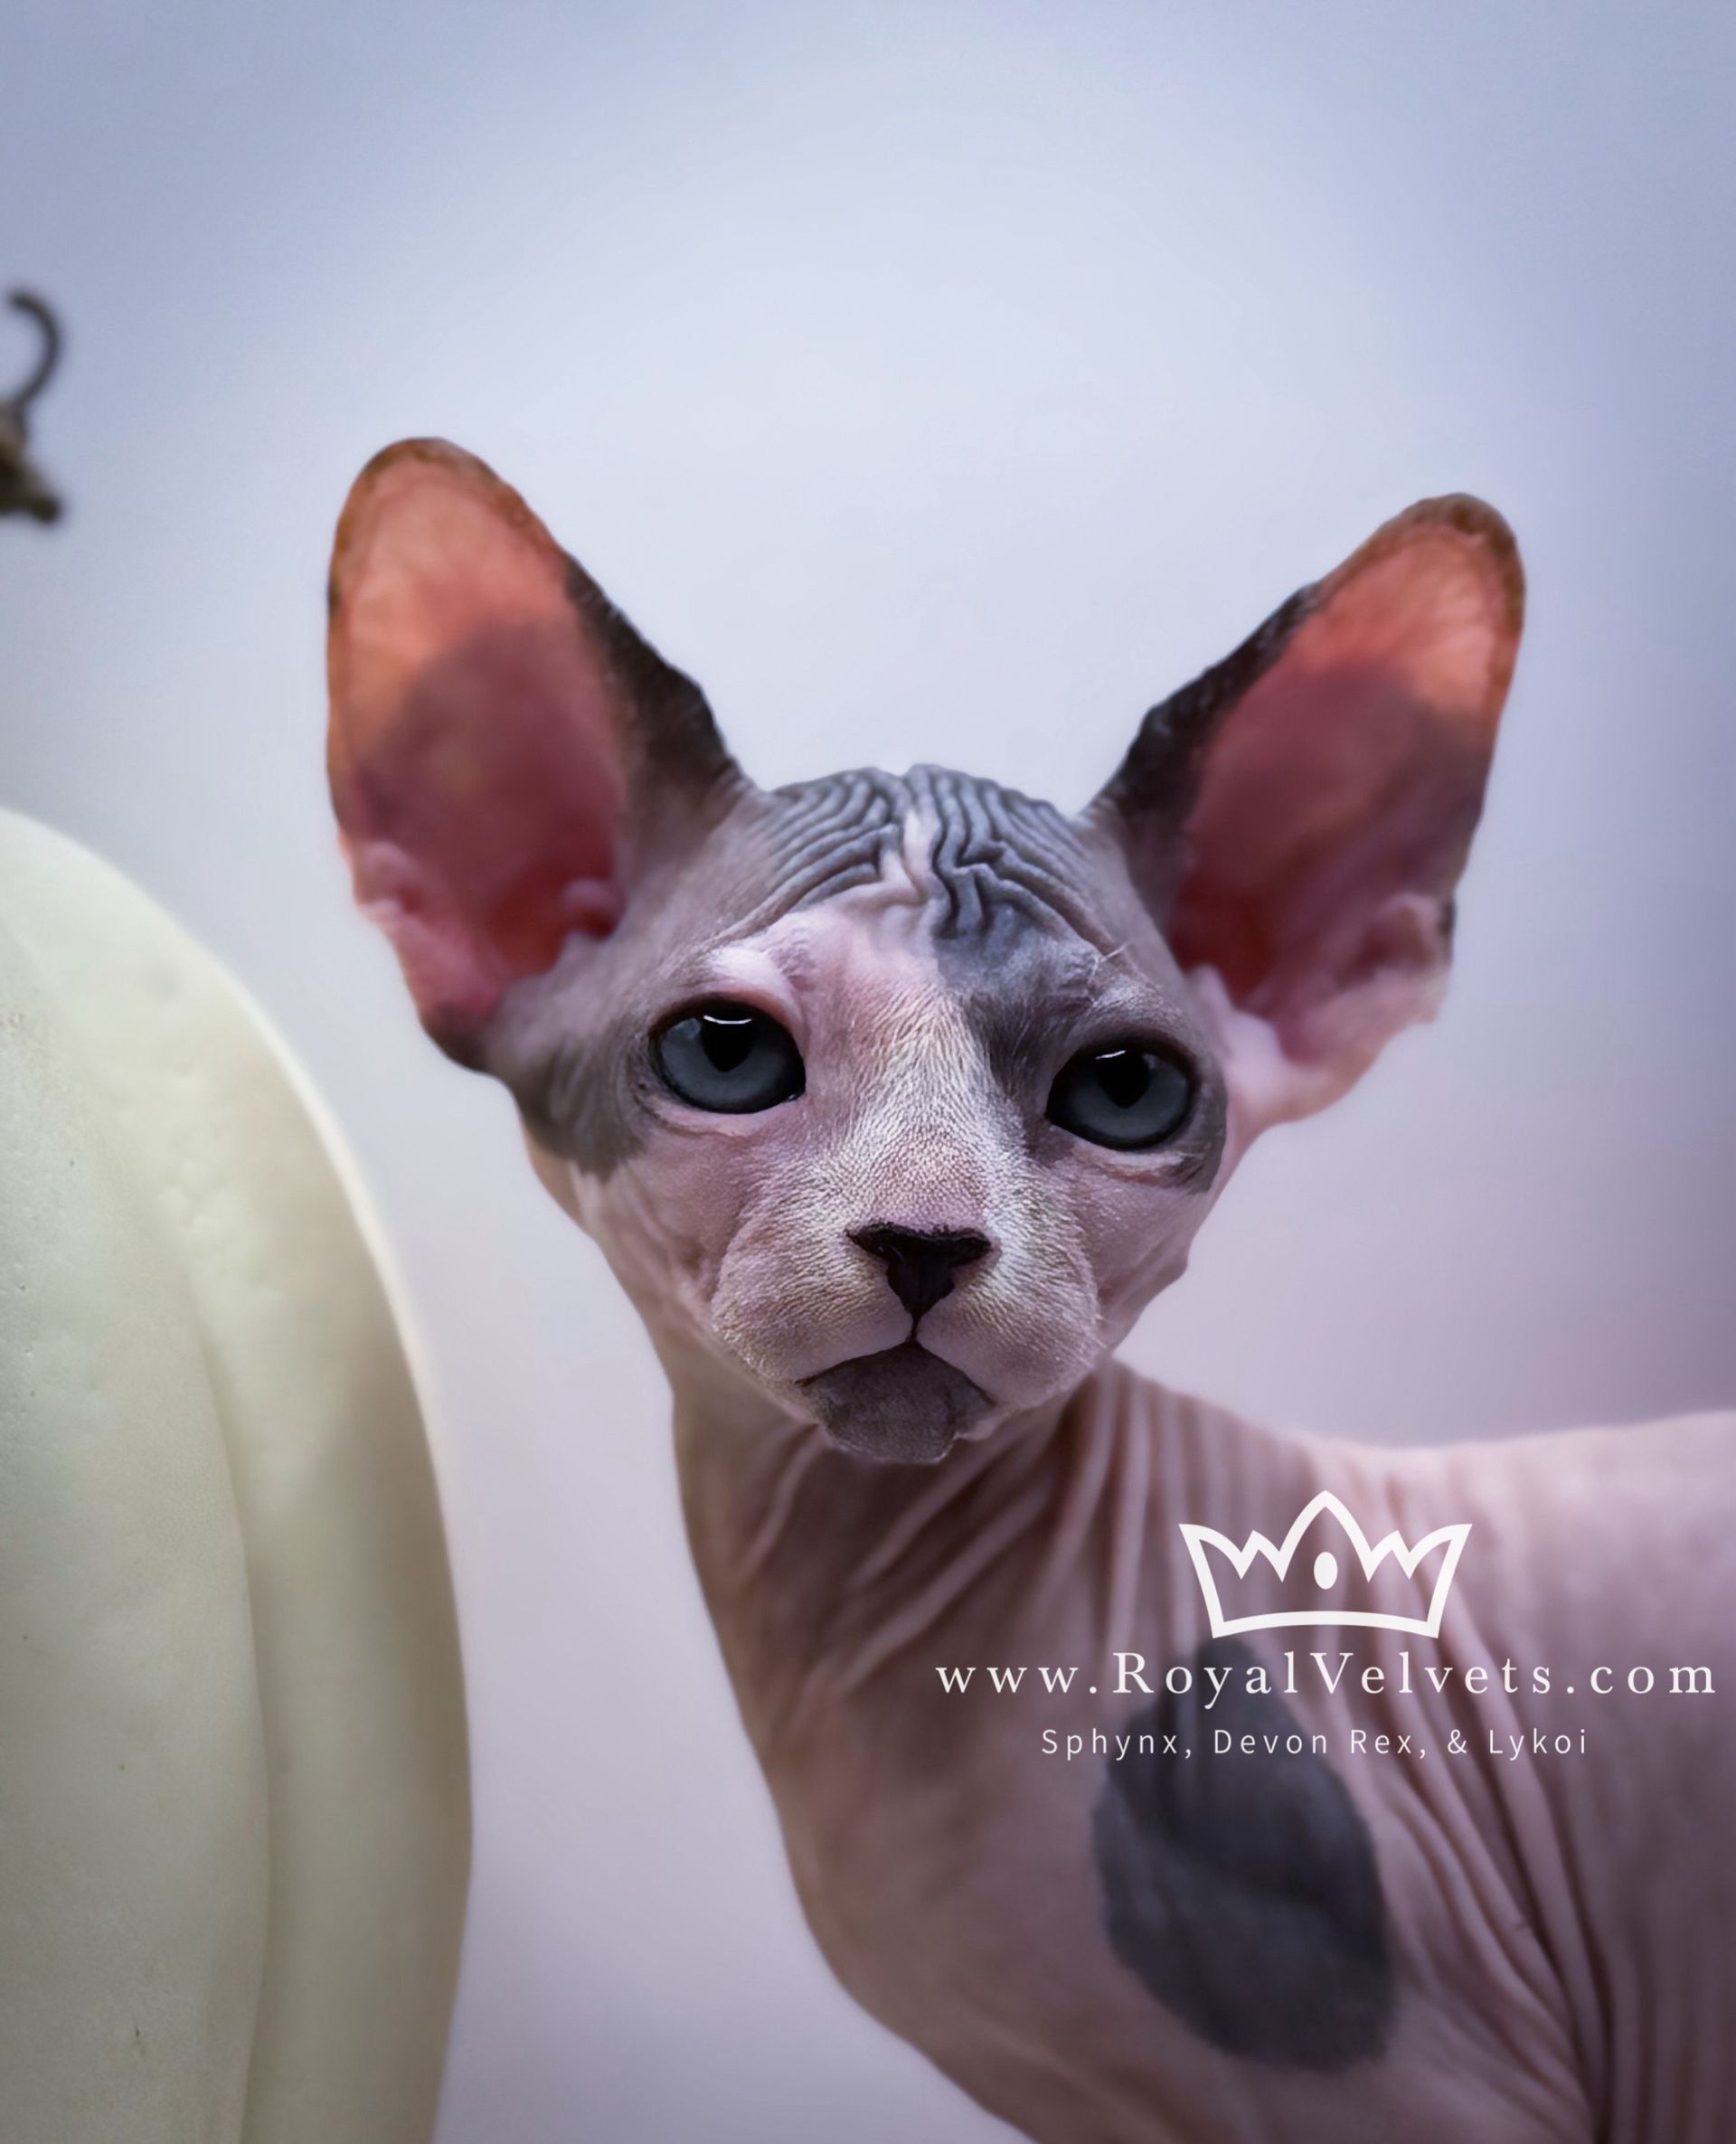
x: 935, y: 382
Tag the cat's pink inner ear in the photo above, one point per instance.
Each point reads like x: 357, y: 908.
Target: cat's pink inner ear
x: 474, y: 751
x: 1338, y: 796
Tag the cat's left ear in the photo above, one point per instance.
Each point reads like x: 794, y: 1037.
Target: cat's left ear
x: 1298, y: 819
x: 508, y: 758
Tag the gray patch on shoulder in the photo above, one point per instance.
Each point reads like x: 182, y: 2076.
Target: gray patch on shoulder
x: 1242, y: 1890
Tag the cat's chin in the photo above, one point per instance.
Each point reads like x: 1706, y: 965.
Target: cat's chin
x: 903, y: 1405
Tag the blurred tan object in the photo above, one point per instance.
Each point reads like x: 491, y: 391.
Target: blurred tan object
x: 234, y: 1806
x: 23, y: 487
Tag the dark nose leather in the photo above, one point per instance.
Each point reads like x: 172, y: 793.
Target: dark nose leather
x: 920, y: 1262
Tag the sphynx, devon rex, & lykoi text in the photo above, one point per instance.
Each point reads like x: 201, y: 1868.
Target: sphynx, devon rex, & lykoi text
x: 892, y: 1099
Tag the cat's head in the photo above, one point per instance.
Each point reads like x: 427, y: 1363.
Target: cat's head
x: 898, y: 1096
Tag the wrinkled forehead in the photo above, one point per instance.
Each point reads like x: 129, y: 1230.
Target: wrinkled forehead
x: 921, y: 928
x: 886, y: 888
x: 978, y: 859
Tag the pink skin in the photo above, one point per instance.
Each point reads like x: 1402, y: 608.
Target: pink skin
x: 565, y: 858
x: 734, y: 1231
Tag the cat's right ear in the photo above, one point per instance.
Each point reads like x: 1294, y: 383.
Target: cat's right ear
x: 506, y: 752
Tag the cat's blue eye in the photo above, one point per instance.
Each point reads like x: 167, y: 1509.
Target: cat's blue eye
x: 1126, y: 1095
x: 728, y: 1057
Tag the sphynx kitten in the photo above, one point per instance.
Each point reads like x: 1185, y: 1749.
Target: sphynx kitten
x: 893, y: 1101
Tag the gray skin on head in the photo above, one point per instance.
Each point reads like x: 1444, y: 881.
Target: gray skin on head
x: 935, y: 905
x: 1024, y: 917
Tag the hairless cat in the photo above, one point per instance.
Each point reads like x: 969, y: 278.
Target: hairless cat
x: 892, y: 1099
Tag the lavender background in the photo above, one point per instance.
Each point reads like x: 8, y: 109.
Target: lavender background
x: 934, y: 381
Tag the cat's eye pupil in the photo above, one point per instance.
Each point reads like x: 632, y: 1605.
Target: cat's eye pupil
x: 1124, y: 1076
x: 727, y: 1037
x: 1128, y: 1095
x: 732, y: 1058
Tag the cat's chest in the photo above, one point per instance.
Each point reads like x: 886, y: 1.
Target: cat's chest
x: 953, y: 1891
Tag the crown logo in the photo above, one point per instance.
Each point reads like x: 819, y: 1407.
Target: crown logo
x: 1199, y: 1539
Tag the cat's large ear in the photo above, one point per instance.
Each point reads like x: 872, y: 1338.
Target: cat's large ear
x: 506, y: 752
x: 1298, y: 818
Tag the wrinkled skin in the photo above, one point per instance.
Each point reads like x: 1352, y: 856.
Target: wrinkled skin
x: 890, y: 1469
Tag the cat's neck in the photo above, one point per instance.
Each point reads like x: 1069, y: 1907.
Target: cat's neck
x: 820, y: 1569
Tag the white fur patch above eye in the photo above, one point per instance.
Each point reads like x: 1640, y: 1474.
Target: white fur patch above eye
x: 752, y: 972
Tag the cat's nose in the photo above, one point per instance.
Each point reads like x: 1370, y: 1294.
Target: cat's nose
x: 920, y: 1262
